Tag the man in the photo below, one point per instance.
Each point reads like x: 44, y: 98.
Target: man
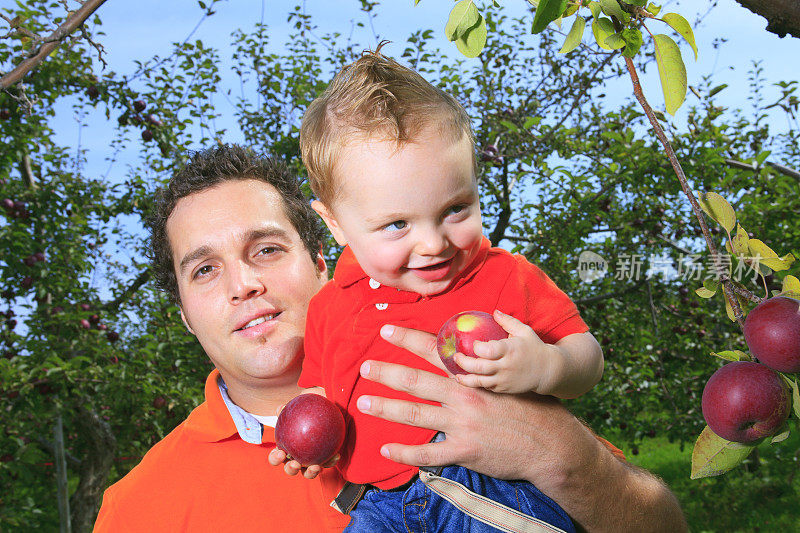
x: 236, y: 243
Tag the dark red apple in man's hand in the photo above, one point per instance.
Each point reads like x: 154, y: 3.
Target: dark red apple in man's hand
x: 463, y: 329
x: 745, y: 401
x: 310, y: 429
x: 772, y: 332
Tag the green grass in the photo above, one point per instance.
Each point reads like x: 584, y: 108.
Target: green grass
x: 759, y: 495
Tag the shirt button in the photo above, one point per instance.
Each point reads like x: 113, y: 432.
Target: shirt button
x: 374, y: 284
x: 381, y: 307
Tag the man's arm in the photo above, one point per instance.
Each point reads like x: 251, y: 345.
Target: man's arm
x: 513, y: 437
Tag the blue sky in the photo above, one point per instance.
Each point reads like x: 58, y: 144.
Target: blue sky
x: 139, y: 30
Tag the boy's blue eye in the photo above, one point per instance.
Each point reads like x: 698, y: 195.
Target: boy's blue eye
x: 456, y: 209
x: 397, y: 225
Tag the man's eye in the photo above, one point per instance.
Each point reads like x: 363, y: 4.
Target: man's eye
x: 268, y: 250
x: 397, y: 225
x: 203, y: 271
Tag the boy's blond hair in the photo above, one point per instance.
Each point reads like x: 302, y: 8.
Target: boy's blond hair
x: 373, y: 96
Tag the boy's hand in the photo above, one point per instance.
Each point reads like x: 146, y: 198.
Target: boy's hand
x: 520, y: 363
x: 292, y: 467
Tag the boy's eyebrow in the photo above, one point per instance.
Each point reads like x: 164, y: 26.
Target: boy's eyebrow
x: 384, y: 218
x: 250, y: 235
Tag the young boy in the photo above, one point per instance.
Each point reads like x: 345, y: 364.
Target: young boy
x: 392, y: 163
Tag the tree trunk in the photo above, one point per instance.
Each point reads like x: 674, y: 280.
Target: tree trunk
x: 783, y: 16
x: 94, y: 470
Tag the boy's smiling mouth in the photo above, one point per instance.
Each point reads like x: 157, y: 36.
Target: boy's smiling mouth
x: 434, y: 272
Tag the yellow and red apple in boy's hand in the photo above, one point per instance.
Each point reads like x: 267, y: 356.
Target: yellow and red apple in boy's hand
x: 772, y: 332
x: 310, y: 429
x: 745, y: 401
x: 461, y: 331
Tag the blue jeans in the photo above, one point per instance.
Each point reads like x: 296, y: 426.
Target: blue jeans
x: 418, y: 509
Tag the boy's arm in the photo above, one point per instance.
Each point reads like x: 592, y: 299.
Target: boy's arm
x: 580, y: 365
x: 525, y: 363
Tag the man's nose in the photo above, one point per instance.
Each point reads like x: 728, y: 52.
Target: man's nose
x: 244, y: 282
x: 432, y: 241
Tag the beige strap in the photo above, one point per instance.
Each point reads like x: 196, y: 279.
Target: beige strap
x: 482, y: 508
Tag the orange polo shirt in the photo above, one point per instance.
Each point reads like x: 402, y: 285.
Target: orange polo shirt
x: 344, y: 319
x: 204, y: 477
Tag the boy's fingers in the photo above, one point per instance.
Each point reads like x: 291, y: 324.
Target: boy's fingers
x: 312, y: 471
x: 514, y: 327
x: 475, y: 381
x: 276, y: 456
x: 490, y: 349
x: 476, y: 365
x: 292, y: 467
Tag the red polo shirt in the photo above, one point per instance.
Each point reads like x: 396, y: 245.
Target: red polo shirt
x: 204, y: 477
x: 344, y: 319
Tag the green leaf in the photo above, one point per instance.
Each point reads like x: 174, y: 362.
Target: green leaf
x: 546, y: 12
x: 671, y: 70
x: 595, y: 8
x: 653, y: 9
x: 766, y: 256
x: 731, y: 355
x: 681, y: 25
x: 713, y: 455
x: 574, y: 36
x: 467, y: 28
x: 571, y: 10
x: 463, y: 16
x: 780, y: 437
x: 615, y: 41
x: 611, y: 8
x: 510, y: 125
x: 729, y: 310
x: 702, y: 292
x: 633, y: 41
x: 717, y: 89
x: 791, y: 285
x: 795, y: 397
x: 718, y: 209
x: 740, y: 241
x: 602, y: 28
x: 760, y: 158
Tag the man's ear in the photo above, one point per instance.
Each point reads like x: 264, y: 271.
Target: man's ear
x: 186, y: 323
x: 323, y: 211
x: 322, y: 267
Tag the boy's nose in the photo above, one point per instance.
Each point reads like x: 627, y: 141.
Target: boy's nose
x: 432, y: 243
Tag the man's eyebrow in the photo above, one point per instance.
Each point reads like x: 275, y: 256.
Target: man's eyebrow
x: 250, y: 235
x: 194, y: 255
x: 269, y: 232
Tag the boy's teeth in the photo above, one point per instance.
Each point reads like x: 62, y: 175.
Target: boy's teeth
x: 257, y: 321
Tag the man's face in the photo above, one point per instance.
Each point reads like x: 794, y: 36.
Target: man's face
x: 245, y: 280
x: 410, y: 215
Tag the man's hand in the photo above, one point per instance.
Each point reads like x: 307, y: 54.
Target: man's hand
x: 514, y: 437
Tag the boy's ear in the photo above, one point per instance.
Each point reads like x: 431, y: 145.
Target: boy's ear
x: 323, y: 211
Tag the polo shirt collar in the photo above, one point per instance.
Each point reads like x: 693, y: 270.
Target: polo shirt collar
x: 211, y: 421
x: 349, y: 272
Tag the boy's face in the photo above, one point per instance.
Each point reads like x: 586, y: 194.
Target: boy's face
x: 410, y: 215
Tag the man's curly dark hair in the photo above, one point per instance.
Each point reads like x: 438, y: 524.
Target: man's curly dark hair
x: 207, y: 168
